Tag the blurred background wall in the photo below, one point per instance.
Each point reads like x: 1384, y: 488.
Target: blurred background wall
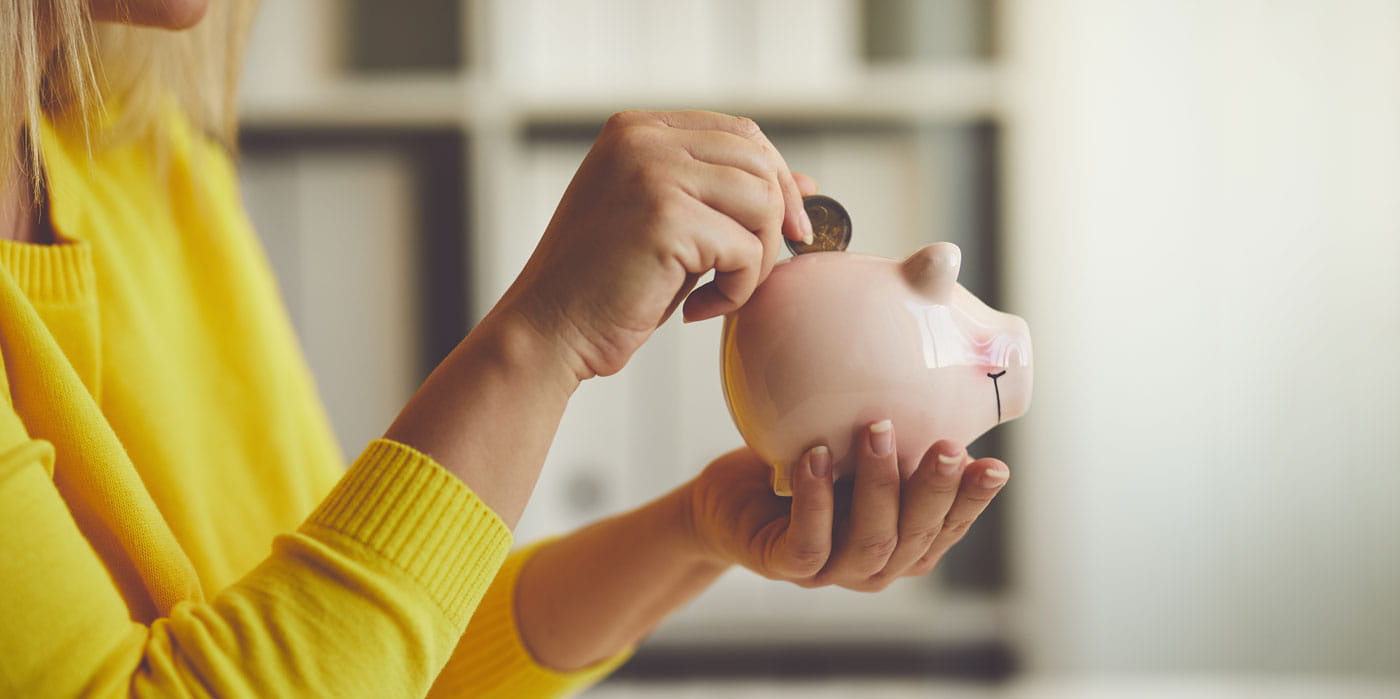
x: 1194, y: 204
x: 1204, y: 230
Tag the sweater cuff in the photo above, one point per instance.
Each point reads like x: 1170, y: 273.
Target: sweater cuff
x: 499, y: 664
x: 400, y: 503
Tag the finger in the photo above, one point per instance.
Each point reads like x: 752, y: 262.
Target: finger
x: 796, y: 225
x: 867, y: 543
x: 806, y: 545
x: 725, y: 148
x: 721, y: 148
x: 925, y: 501
x: 681, y: 294
x: 981, y: 481
x: 806, y: 186
x: 735, y: 254
x: 701, y: 120
x: 752, y: 200
x: 762, y: 161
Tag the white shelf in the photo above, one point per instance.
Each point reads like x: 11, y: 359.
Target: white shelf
x: 401, y: 102
x: 956, y: 92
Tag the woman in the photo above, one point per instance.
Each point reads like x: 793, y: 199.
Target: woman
x: 176, y: 519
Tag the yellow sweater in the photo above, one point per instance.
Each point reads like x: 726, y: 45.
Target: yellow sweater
x: 176, y: 517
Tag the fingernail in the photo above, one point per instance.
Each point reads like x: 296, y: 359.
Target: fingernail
x: 948, y: 463
x: 994, y: 477
x: 819, y: 461
x: 807, y: 235
x: 882, y: 437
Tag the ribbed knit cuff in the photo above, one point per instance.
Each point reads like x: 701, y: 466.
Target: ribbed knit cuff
x: 400, y: 503
x: 59, y: 273
x: 495, y: 661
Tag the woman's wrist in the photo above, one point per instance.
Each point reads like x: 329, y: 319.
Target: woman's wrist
x: 488, y: 412
x: 524, y: 341
x: 678, y: 513
x: 586, y: 596
x: 542, y: 324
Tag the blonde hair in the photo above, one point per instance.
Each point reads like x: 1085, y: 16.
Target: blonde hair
x: 56, y: 62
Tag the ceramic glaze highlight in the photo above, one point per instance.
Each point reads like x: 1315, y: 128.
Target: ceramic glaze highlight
x: 833, y: 341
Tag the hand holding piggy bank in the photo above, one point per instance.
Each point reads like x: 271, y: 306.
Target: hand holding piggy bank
x: 834, y: 341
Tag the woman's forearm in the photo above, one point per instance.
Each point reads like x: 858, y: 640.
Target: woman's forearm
x: 582, y: 598
x: 489, y: 411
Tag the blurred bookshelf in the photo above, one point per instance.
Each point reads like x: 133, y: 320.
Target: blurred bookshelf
x: 439, y: 135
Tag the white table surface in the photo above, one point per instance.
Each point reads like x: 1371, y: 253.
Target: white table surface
x: 1028, y: 688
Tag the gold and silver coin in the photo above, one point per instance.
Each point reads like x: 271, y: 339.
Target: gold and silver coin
x: 831, y: 226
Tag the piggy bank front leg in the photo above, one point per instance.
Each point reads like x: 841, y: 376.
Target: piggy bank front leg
x: 782, y: 478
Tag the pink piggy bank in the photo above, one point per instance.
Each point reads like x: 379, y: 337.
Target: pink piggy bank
x: 833, y: 341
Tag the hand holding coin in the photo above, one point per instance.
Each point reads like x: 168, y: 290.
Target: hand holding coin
x: 831, y: 226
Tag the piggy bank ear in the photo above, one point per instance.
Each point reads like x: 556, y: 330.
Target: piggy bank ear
x: 932, y: 271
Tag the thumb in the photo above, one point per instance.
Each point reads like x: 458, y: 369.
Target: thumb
x: 707, y: 302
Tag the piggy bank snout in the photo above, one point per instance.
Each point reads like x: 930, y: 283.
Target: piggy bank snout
x: 1010, y: 368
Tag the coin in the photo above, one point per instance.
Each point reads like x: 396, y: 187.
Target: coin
x: 831, y: 226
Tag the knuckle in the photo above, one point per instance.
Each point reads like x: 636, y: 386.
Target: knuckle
x: 877, y: 546
x: 922, y: 537
x: 941, y: 488
x: 640, y: 137
x: 657, y: 234
x: 763, y: 166
x: 634, y: 145
x: 751, y: 271
x: 924, y: 566
x: 622, y: 119
x: 884, y: 478
x: 755, y: 255
x: 667, y: 208
x: 664, y: 236
x: 773, y: 194
x: 928, y: 562
x: 980, y: 501
x: 823, y: 578
x: 745, y: 126
x: 804, y: 563
x: 956, y: 528
x: 767, y: 185
x: 667, y: 244
x: 928, y: 477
